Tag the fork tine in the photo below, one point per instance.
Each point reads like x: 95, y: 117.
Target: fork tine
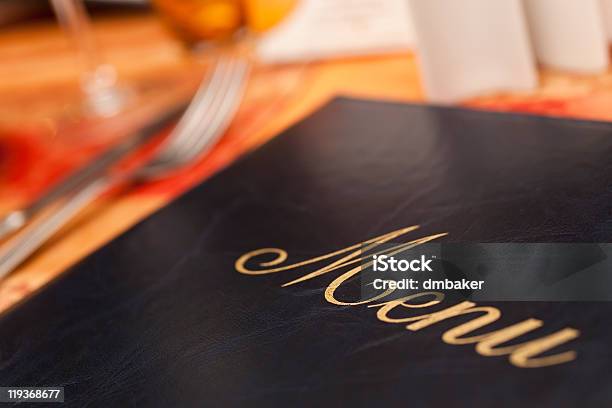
x: 207, y: 128
x: 204, y: 101
x: 227, y: 109
x: 213, y: 111
x: 203, y: 96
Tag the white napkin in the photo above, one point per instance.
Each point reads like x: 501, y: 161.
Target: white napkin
x: 472, y: 46
x: 336, y: 28
x: 465, y: 47
x: 569, y: 34
x: 606, y: 12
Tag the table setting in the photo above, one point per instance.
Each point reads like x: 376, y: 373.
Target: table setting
x: 195, y: 192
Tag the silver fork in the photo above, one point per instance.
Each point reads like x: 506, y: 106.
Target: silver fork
x: 205, y: 120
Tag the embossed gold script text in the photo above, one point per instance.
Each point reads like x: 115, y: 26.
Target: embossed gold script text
x: 526, y: 354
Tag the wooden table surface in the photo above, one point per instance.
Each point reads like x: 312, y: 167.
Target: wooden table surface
x: 43, y: 136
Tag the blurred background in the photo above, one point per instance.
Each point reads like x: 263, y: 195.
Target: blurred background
x: 77, y: 78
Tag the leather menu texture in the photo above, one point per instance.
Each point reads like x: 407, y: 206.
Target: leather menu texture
x: 222, y: 298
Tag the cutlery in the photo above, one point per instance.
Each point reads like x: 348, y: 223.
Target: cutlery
x: 204, y: 121
x: 16, y: 219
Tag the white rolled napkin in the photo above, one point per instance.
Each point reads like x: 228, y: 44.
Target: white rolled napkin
x: 569, y: 34
x: 469, y: 47
x: 606, y: 11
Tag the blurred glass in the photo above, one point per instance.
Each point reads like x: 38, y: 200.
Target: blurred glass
x: 103, y: 97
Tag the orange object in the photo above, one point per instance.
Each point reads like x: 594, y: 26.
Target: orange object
x: 196, y: 20
x: 261, y: 15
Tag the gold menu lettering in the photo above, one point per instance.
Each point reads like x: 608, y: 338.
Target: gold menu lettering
x: 524, y: 355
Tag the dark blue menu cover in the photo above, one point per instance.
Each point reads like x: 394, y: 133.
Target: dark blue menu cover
x: 163, y: 317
